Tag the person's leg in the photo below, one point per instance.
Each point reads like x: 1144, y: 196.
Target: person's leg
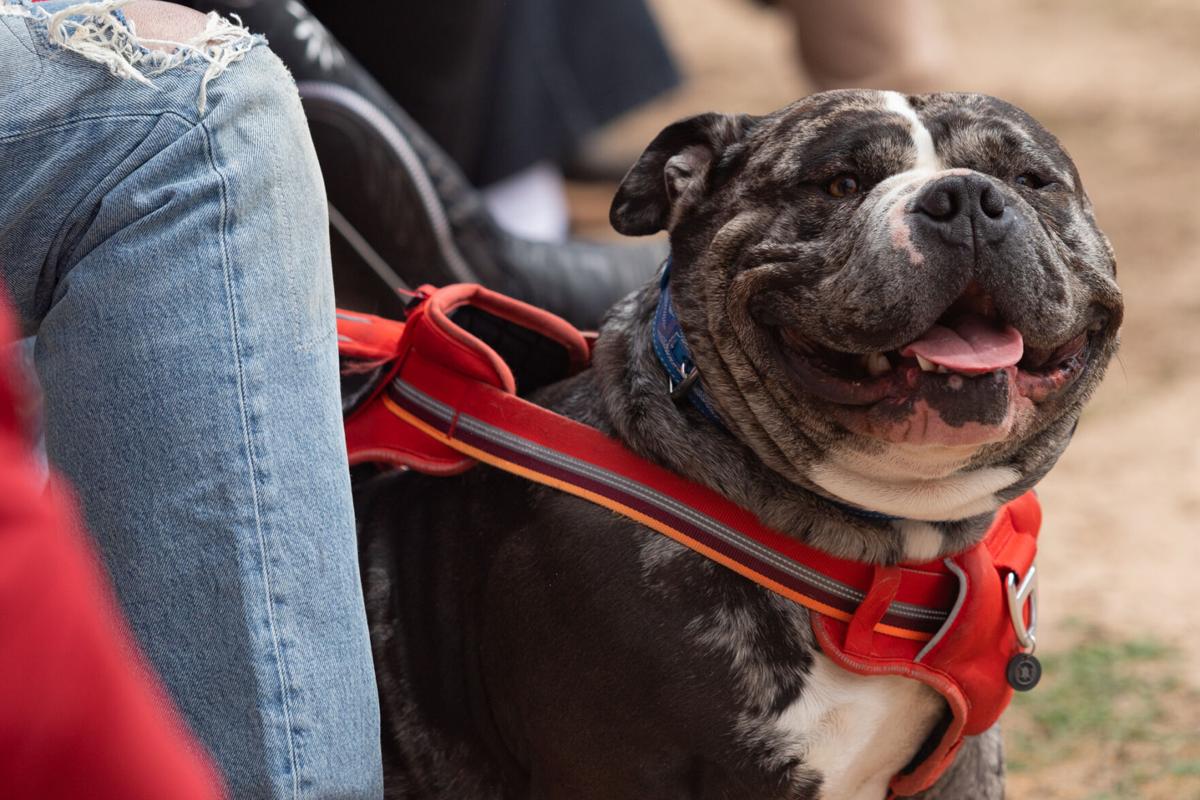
x: 869, y: 44
x: 174, y: 264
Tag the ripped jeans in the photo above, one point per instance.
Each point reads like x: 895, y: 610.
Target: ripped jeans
x: 164, y: 235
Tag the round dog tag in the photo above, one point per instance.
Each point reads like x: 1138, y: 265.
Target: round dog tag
x: 1024, y: 672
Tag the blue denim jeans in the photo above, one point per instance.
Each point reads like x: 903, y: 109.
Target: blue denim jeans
x: 174, y: 265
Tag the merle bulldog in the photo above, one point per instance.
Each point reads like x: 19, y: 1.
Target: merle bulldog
x: 897, y: 307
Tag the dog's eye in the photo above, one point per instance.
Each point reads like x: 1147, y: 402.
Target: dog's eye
x: 843, y: 186
x: 1029, y: 180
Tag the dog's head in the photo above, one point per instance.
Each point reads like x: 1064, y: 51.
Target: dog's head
x: 902, y: 303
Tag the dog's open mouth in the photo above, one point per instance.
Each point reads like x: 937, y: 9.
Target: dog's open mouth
x: 963, y: 381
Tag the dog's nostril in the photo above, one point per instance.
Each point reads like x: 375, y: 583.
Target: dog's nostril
x: 940, y: 204
x: 991, y: 202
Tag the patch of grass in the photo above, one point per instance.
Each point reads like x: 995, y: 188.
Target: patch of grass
x: 1114, y: 711
x: 1094, y: 689
x: 1186, y: 767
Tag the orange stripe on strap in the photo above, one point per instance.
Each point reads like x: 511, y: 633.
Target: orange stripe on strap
x: 650, y: 522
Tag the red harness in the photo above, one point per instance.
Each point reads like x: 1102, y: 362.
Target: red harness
x: 436, y: 397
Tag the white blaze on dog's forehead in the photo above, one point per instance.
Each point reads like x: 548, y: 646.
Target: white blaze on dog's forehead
x: 927, y: 158
x: 895, y: 190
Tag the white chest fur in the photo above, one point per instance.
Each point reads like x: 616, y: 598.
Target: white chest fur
x: 857, y: 731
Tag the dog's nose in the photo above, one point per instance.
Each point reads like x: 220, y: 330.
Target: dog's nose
x: 960, y: 208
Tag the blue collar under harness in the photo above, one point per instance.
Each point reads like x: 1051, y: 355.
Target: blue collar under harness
x: 683, y: 377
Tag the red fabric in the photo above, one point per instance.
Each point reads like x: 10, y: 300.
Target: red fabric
x: 920, y: 584
x: 967, y: 665
x: 366, y: 337
x: 371, y: 432
x: 967, y: 662
x: 458, y: 369
x: 81, y: 715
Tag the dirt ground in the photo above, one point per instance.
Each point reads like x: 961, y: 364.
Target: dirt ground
x: 1119, y: 83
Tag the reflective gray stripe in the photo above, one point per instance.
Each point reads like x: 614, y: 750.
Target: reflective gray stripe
x: 613, y: 480
x: 903, y: 609
x: 667, y: 503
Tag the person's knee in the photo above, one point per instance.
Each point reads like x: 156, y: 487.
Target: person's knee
x: 163, y: 26
x: 188, y: 34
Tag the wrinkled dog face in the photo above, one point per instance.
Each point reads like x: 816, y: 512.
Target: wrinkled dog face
x: 899, y: 302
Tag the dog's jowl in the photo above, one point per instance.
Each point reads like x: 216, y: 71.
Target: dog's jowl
x: 894, y: 308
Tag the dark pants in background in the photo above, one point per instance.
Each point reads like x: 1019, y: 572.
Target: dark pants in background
x: 503, y: 85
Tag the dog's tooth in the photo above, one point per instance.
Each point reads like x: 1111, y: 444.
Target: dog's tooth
x: 941, y: 369
x: 876, y: 363
x: 925, y: 364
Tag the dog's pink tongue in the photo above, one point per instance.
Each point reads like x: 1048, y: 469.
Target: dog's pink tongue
x: 974, y: 345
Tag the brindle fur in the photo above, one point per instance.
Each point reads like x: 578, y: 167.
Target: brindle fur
x: 531, y: 645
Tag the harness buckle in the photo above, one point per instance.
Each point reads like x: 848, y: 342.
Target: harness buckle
x: 1024, y: 670
x: 679, y: 391
x: 1018, y: 595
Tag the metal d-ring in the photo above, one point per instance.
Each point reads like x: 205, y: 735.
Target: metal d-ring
x: 679, y: 391
x: 1017, y: 596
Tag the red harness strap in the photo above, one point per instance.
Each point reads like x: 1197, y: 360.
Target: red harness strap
x: 444, y: 400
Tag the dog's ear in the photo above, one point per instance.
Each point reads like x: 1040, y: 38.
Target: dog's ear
x: 676, y: 161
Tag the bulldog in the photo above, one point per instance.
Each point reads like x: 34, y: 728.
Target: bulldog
x: 896, y: 308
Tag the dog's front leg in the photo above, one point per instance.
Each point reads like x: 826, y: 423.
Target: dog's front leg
x: 977, y: 773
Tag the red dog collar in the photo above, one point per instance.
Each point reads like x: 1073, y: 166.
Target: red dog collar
x: 443, y: 399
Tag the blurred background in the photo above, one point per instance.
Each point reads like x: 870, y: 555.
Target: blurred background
x: 1117, y: 715
x: 1118, y: 81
